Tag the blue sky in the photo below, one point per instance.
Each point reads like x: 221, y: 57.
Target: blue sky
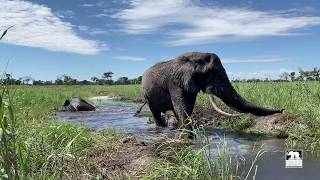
x: 86, y: 38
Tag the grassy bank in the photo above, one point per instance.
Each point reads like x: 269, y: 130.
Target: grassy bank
x: 39, y: 147
x: 301, y: 101
x: 34, y: 145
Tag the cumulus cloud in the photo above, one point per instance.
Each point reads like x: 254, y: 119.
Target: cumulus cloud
x: 187, y: 22
x: 255, y: 59
x: 36, y: 26
x: 129, y: 58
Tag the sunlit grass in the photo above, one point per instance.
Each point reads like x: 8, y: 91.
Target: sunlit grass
x: 36, y: 146
x: 46, y: 148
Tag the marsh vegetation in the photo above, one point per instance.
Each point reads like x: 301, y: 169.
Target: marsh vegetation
x: 35, y: 145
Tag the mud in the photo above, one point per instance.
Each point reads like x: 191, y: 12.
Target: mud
x: 130, y: 160
x: 277, y: 125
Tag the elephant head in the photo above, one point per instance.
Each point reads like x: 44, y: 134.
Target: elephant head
x: 204, y: 72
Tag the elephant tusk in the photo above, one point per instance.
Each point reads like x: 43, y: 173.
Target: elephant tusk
x: 215, y: 107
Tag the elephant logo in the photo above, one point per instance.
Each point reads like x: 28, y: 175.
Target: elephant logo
x: 294, y: 155
x: 293, y: 159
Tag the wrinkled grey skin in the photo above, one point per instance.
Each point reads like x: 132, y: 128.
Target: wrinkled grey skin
x: 78, y: 104
x: 174, y: 85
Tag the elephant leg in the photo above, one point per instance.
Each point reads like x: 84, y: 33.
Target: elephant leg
x: 175, y: 125
x: 157, y: 116
x: 183, y: 104
x: 156, y: 113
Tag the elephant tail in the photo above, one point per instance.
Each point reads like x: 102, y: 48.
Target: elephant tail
x: 145, y: 102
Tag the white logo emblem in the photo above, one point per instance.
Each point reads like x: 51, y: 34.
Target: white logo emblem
x: 294, y: 159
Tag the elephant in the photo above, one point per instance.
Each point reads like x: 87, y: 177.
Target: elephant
x: 293, y: 155
x: 78, y: 104
x: 174, y: 85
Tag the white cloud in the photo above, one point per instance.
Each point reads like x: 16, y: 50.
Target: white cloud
x: 255, y: 59
x: 187, y: 22
x: 93, y: 31
x: 87, y: 5
x: 129, y: 58
x: 65, y: 14
x: 261, y: 74
x: 100, y: 15
x: 36, y: 26
x: 98, y: 31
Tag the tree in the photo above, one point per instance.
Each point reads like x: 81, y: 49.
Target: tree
x: 139, y: 79
x: 69, y: 80
x: 94, y: 79
x: 316, y: 74
x: 293, y: 76
x: 122, y: 80
x: 84, y: 82
x: 37, y: 82
x: 8, y: 79
x: 285, y: 76
x: 58, y: 81
x: 26, y: 79
x: 107, y: 75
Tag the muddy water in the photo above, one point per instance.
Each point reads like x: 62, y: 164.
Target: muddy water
x: 120, y: 115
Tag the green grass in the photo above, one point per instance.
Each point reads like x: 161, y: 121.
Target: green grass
x: 39, y: 147
x: 184, y: 162
x: 299, y: 99
x: 35, y: 146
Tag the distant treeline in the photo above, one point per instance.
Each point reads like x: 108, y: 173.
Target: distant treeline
x: 68, y: 80
x: 302, y: 75
x: 106, y: 78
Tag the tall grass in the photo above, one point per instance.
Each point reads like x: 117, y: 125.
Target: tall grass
x: 299, y: 99
x: 46, y: 149
x: 8, y: 154
x: 8, y: 150
x: 181, y: 162
x: 35, y: 146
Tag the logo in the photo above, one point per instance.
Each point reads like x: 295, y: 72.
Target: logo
x: 294, y: 158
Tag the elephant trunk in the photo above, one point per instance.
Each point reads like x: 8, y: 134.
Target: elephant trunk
x: 230, y: 97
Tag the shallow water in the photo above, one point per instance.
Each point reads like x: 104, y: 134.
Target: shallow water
x: 120, y: 115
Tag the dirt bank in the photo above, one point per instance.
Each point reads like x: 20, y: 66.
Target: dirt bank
x: 131, y: 160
